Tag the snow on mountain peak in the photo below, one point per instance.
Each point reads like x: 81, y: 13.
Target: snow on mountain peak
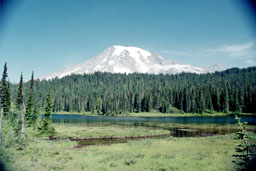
x: 122, y: 59
x: 133, y: 51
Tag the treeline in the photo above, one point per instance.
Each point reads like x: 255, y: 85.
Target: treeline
x: 106, y: 93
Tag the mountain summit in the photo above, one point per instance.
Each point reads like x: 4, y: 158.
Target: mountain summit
x: 121, y: 59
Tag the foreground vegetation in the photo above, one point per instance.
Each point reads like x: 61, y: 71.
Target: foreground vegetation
x: 208, y: 153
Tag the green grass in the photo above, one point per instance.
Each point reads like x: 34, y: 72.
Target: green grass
x: 158, y: 114
x: 81, y: 131
x: 76, y: 113
x: 211, y: 153
x: 208, y: 153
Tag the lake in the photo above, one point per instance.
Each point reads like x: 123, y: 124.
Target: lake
x: 64, y: 118
x: 178, y: 126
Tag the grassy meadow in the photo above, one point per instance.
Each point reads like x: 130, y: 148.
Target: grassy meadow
x: 206, y: 153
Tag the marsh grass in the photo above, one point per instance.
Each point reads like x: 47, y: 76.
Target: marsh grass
x: 82, y: 131
x: 207, y: 153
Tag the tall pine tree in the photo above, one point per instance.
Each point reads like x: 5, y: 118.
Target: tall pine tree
x: 30, y: 105
x: 5, y: 98
x: 225, y: 100
x: 20, y: 127
x: 5, y: 92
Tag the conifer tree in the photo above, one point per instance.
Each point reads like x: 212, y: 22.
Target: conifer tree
x: 149, y: 104
x: 137, y: 102
x: 193, y: 101
x: 225, y: 100
x: 237, y: 107
x: 241, y: 99
x: 20, y: 127
x: 5, y: 92
x: 8, y: 98
x: 99, y: 105
x: 1, y: 116
x: 245, y: 150
x: 209, y: 102
x: 216, y: 100
x: 46, y: 125
x: 20, y: 95
x: 1, y: 122
x: 49, y: 106
x: 1, y: 119
x: 5, y: 100
x: 144, y: 104
x: 187, y: 102
x: 30, y: 104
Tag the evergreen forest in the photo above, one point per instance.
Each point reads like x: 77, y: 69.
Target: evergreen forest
x: 233, y: 90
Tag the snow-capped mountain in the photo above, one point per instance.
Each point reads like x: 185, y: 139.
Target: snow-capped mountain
x: 121, y: 59
x: 216, y: 67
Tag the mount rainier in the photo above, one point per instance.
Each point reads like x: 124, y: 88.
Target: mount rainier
x: 121, y: 59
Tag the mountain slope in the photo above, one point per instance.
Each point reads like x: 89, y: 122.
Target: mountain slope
x: 121, y: 59
x: 216, y: 67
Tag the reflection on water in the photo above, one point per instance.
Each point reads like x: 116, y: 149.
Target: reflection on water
x: 214, y: 120
x: 178, y: 126
x: 191, y: 130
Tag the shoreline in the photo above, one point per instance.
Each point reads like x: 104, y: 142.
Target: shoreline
x: 158, y: 114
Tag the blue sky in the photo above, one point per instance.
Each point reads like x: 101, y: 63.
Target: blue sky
x: 48, y: 35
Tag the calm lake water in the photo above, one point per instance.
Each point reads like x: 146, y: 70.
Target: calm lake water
x: 182, y: 120
x: 178, y: 126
